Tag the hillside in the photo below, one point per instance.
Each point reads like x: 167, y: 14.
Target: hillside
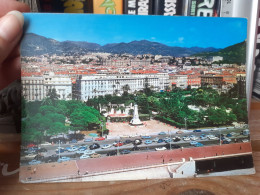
x: 232, y: 54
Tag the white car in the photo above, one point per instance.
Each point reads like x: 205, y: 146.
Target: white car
x: 186, y: 138
x: 193, y: 138
x: 160, y: 149
x: 155, y: 139
x: 30, y: 156
x: 212, y: 137
x: 245, y: 140
x: 105, y: 146
x: 73, y: 149
x: 84, y: 156
x: 89, y: 152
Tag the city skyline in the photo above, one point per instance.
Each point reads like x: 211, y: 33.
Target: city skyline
x: 209, y: 32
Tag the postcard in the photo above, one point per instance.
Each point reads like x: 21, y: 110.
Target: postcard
x: 120, y: 97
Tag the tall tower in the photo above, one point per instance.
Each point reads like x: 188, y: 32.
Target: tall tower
x: 135, y: 120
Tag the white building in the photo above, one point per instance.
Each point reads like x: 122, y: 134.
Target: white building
x: 62, y: 84
x: 36, y: 88
x: 181, y: 81
x: 90, y: 86
x: 215, y: 58
x: 33, y: 88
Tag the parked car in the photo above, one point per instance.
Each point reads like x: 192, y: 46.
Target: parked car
x: 155, y: 139
x: 61, y: 150
x: 88, y: 140
x: 125, y: 151
x: 42, y: 150
x: 193, y: 137
x: 30, y: 150
x: 118, y: 144
x: 148, y: 141
x: 160, y: 141
x: 95, y: 155
x: 197, y: 130
x: 160, y: 148
x: 176, y: 139
x: 146, y: 137
x: 34, y: 162
x: 105, y: 146
x: 100, y: 139
x: 73, y: 149
x: 94, y: 146
x: 137, y: 142
x: 228, y: 135
x: 199, y: 144
x: 186, y: 138
x: 84, y: 156
x: 128, y: 141
x: 30, y: 156
x: 225, y: 142
x: 162, y: 133
x: 171, y: 146
x: 39, y: 157
x: 167, y: 140
x: 63, y: 159
x: 74, y: 141
x: 135, y: 148
x: 89, y: 152
x: 192, y: 143
x: 31, y: 145
x: 112, y: 153
x: 82, y: 148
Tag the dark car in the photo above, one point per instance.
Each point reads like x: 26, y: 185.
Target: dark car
x: 39, y: 157
x: 160, y: 141
x: 172, y: 146
x: 225, y: 142
x: 61, y: 150
x: 228, y: 135
x: 176, y: 139
x: 135, y: 148
x: 42, y: 150
x: 197, y: 130
x: 128, y: 141
x: 52, y: 158
x: 125, y: 151
x: 94, y: 146
x: 112, y: 153
x: 74, y: 141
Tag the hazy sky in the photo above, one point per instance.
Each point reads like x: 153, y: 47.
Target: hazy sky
x: 169, y: 30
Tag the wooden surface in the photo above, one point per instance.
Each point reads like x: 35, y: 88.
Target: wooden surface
x: 9, y: 154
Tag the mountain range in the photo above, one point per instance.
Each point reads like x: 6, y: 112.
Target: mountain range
x: 34, y: 45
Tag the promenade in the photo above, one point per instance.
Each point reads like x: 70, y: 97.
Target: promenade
x: 78, y: 168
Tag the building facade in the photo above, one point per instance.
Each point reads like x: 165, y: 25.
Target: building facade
x: 91, y: 86
x: 36, y: 88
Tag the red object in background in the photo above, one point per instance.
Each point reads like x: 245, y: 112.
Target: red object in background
x: 100, y: 139
x: 119, y: 144
x: 31, y: 145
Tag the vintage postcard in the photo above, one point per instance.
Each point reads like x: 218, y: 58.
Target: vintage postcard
x: 108, y: 97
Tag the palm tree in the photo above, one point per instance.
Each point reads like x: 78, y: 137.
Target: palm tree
x: 125, y: 89
x: 113, y: 88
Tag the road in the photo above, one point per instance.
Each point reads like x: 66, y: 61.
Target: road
x: 147, y: 147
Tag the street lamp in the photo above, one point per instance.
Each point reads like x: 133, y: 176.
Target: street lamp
x: 185, y: 119
x: 59, y: 149
x: 118, y: 146
x: 102, y: 128
x: 170, y: 139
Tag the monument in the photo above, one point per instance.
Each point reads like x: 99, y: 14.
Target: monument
x: 135, y: 120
